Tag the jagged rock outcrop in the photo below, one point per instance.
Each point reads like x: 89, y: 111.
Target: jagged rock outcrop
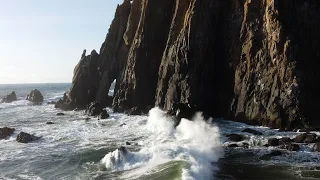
x: 25, y: 137
x: 249, y: 60
x: 35, y: 96
x: 150, y: 20
x: 10, y: 97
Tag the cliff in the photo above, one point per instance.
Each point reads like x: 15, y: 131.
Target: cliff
x: 248, y: 60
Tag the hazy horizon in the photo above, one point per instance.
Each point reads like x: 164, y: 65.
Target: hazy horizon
x: 42, y: 41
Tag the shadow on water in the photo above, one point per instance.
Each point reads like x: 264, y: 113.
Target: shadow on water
x: 246, y: 165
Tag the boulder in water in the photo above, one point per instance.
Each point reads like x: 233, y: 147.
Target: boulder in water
x: 60, y: 114
x: 300, y: 138
x: 271, y: 154
x: 10, y: 97
x: 104, y: 114
x: 252, y: 131
x: 233, y: 145
x: 235, y: 137
x: 5, y: 132
x: 290, y: 146
x: 273, y: 142
x: 94, y: 109
x: 25, y: 137
x: 310, y: 138
x: 49, y: 123
x: 316, y: 147
x: 35, y: 96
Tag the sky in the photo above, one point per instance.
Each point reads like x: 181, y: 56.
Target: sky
x: 41, y: 41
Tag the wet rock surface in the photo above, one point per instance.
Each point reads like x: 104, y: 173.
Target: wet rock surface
x: 235, y: 137
x: 35, y: 96
x: 6, y: 132
x: 94, y: 109
x: 103, y: 115
x: 9, y: 98
x: 25, y: 137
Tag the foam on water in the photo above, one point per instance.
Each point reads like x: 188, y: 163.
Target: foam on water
x: 196, y: 142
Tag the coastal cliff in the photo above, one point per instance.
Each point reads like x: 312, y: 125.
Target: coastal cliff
x: 248, y: 60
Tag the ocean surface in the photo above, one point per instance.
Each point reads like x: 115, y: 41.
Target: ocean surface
x: 136, y: 147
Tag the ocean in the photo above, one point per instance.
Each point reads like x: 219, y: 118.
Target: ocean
x: 146, y: 147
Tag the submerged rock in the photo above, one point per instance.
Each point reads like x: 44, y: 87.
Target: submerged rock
x: 310, y: 138
x: 60, y: 114
x: 104, y: 115
x: 305, y: 138
x: 235, y: 137
x: 273, y: 142
x: 35, y: 96
x: 316, y: 147
x: 290, y: 146
x: 94, y: 109
x: 252, y: 131
x: 5, y: 132
x: 25, y: 137
x: 10, y: 97
x: 271, y: 154
x: 49, y: 123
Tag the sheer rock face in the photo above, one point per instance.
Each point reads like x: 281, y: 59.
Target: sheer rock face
x: 113, y: 53
x: 138, y: 87
x: 275, y: 77
x: 85, y: 80
x: 249, y: 60
x: 194, y: 68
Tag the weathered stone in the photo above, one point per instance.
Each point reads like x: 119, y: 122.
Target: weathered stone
x: 10, y: 97
x: 94, y: 109
x: 5, y: 132
x: 316, y: 147
x: 290, y: 146
x: 35, y: 96
x: 25, y: 137
x: 310, y: 138
x: 103, y: 115
x: 273, y: 142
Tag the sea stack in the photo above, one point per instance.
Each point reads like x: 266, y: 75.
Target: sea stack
x: 35, y: 96
x: 10, y: 97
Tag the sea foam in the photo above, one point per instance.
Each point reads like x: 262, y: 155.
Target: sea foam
x: 196, y: 143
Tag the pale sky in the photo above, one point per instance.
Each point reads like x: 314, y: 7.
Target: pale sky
x: 41, y: 41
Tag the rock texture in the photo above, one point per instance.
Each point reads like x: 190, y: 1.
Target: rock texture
x: 25, y: 137
x: 250, y: 60
x: 35, y: 96
x: 10, y: 97
x: 5, y: 132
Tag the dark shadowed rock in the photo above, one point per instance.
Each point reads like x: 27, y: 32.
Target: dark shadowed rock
x: 5, y: 132
x: 60, y: 114
x: 310, y: 138
x: 316, y: 147
x: 49, y: 123
x: 128, y: 143
x: 245, y: 145
x: 271, y: 154
x: 104, y: 115
x: 273, y: 142
x: 233, y: 145
x: 252, y: 131
x: 305, y: 138
x: 94, y: 109
x: 25, y: 137
x: 10, y: 97
x: 300, y: 138
x: 235, y: 137
x: 290, y: 146
x: 35, y: 96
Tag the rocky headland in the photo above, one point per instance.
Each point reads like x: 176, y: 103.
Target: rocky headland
x: 253, y: 61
